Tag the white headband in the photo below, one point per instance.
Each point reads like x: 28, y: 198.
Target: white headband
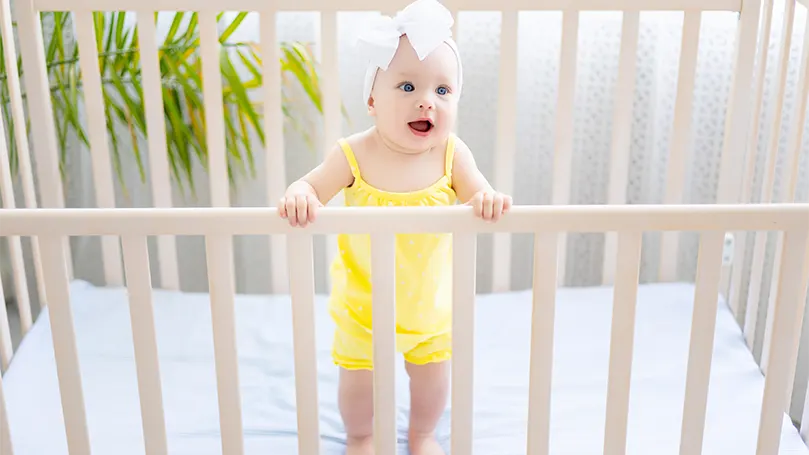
x: 427, y: 24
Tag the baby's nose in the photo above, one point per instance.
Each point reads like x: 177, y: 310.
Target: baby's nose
x: 426, y: 104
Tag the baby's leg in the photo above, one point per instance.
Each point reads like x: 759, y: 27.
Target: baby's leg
x: 429, y: 386
x: 355, y: 399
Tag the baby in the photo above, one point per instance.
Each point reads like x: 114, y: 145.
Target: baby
x: 408, y: 158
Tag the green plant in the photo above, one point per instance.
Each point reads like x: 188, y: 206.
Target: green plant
x: 180, y: 68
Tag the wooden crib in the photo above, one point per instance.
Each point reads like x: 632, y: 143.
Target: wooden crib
x: 77, y: 408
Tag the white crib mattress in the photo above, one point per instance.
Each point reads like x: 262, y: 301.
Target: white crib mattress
x: 501, y: 377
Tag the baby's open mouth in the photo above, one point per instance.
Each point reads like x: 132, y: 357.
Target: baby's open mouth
x: 421, y: 126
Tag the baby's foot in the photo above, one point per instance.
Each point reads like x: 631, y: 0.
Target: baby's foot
x: 360, y: 446
x: 425, y: 445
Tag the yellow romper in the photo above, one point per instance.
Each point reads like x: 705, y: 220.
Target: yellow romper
x: 423, y: 274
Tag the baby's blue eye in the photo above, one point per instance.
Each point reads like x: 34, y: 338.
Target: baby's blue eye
x: 442, y: 90
x: 407, y: 86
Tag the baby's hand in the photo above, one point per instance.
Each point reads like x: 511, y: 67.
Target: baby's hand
x: 299, y: 209
x: 490, y: 205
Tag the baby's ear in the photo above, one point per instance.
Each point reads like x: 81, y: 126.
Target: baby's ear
x: 371, y: 109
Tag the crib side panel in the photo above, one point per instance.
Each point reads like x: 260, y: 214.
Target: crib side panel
x: 742, y: 239
x: 6, y: 447
x: 18, y: 128
x: 621, y: 132
x: 768, y: 185
x: 40, y: 107
x: 788, y: 187
x: 97, y: 128
x: 622, y: 341
x: 563, y: 132
x: 273, y: 139
x: 542, y: 338
x: 156, y: 136
x: 506, y: 149
x: 383, y: 283
x: 785, y: 330
x: 680, y: 139
x: 464, y: 251
x: 331, y: 102
x: 703, y: 329
x: 144, y: 334
x: 219, y: 258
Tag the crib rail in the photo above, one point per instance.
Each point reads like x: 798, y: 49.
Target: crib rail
x: 218, y: 225
x: 387, y: 5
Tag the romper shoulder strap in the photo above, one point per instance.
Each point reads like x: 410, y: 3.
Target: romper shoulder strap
x: 449, y: 155
x: 349, y: 154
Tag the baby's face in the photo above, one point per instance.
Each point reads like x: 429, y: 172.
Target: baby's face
x: 415, y: 102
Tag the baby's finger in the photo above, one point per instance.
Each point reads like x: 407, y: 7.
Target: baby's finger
x: 477, y: 204
x: 488, y: 201
x: 507, y: 203
x: 291, y: 212
x: 300, y: 202
x: 497, y: 207
x: 282, y: 208
x: 312, y: 205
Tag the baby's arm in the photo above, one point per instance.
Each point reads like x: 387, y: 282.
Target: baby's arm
x: 473, y: 189
x: 316, y: 188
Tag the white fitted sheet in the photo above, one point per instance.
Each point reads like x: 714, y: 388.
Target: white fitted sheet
x: 501, y: 377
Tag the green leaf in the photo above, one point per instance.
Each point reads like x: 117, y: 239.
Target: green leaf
x: 296, y: 67
x: 237, y: 21
x: 175, y: 26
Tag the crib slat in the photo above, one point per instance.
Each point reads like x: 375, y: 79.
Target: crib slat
x: 621, y: 131
x: 563, y: 147
x: 680, y: 139
x: 703, y: 327
x: 302, y: 287
x: 14, y: 244
x: 760, y: 239
x: 214, y: 109
x: 6, y: 448
x: 370, y: 5
x: 330, y: 96
x: 542, y: 328
x: 789, y: 185
x: 274, y: 141
x: 621, y: 343
x: 6, y: 347
x: 219, y: 254
x: 804, y: 430
x: 782, y: 362
x: 464, y: 253
x: 506, y: 141
x: 24, y: 172
x: 64, y: 344
x: 741, y: 238
x: 739, y: 104
x: 139, y: 289
x: 383, y: 318
x: 156, y: 128
x: 796, y: 344
x: 43, y: 131
x: 97, y: 129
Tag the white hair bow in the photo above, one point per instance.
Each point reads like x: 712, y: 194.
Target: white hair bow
x: 427, y: 24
